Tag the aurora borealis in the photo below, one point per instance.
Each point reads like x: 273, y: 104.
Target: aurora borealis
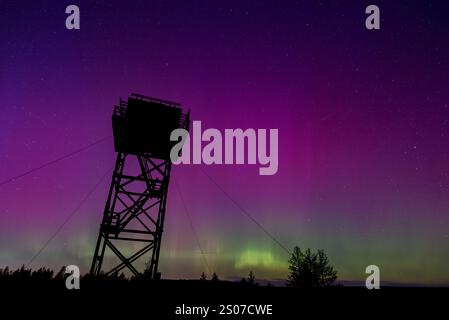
x: 363, y: 120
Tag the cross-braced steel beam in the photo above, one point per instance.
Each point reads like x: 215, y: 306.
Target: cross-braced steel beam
x: 134, y: 212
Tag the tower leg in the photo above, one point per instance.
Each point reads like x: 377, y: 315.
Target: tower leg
x: 134, y: 213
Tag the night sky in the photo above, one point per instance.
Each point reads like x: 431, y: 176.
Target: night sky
x: 363, y: 119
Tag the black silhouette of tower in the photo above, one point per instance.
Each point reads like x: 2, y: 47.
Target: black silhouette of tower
x: 135, y: 208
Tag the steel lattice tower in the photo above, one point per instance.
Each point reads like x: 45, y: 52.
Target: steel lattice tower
x: 136, y: 203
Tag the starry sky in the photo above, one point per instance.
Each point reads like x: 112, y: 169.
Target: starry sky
x: 363, y: 119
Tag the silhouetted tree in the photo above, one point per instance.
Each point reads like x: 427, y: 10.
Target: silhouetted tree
x: 61, y: 274
x: 251, y: 278
x: 42, y: 274
x: 146, y: 272
x: 203, y: 276
x: 310, y: 270
x: 214, y: 277
x: 122, y: 277
x: 326, y: 272
x: 4, y: 272
x: 21, y: 274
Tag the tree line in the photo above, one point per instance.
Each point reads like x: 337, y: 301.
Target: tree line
x: 307, y: 269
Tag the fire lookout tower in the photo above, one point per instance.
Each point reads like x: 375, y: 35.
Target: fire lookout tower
x: 135, y: 207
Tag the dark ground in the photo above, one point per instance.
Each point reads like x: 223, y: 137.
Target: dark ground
x: 159, y: 299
